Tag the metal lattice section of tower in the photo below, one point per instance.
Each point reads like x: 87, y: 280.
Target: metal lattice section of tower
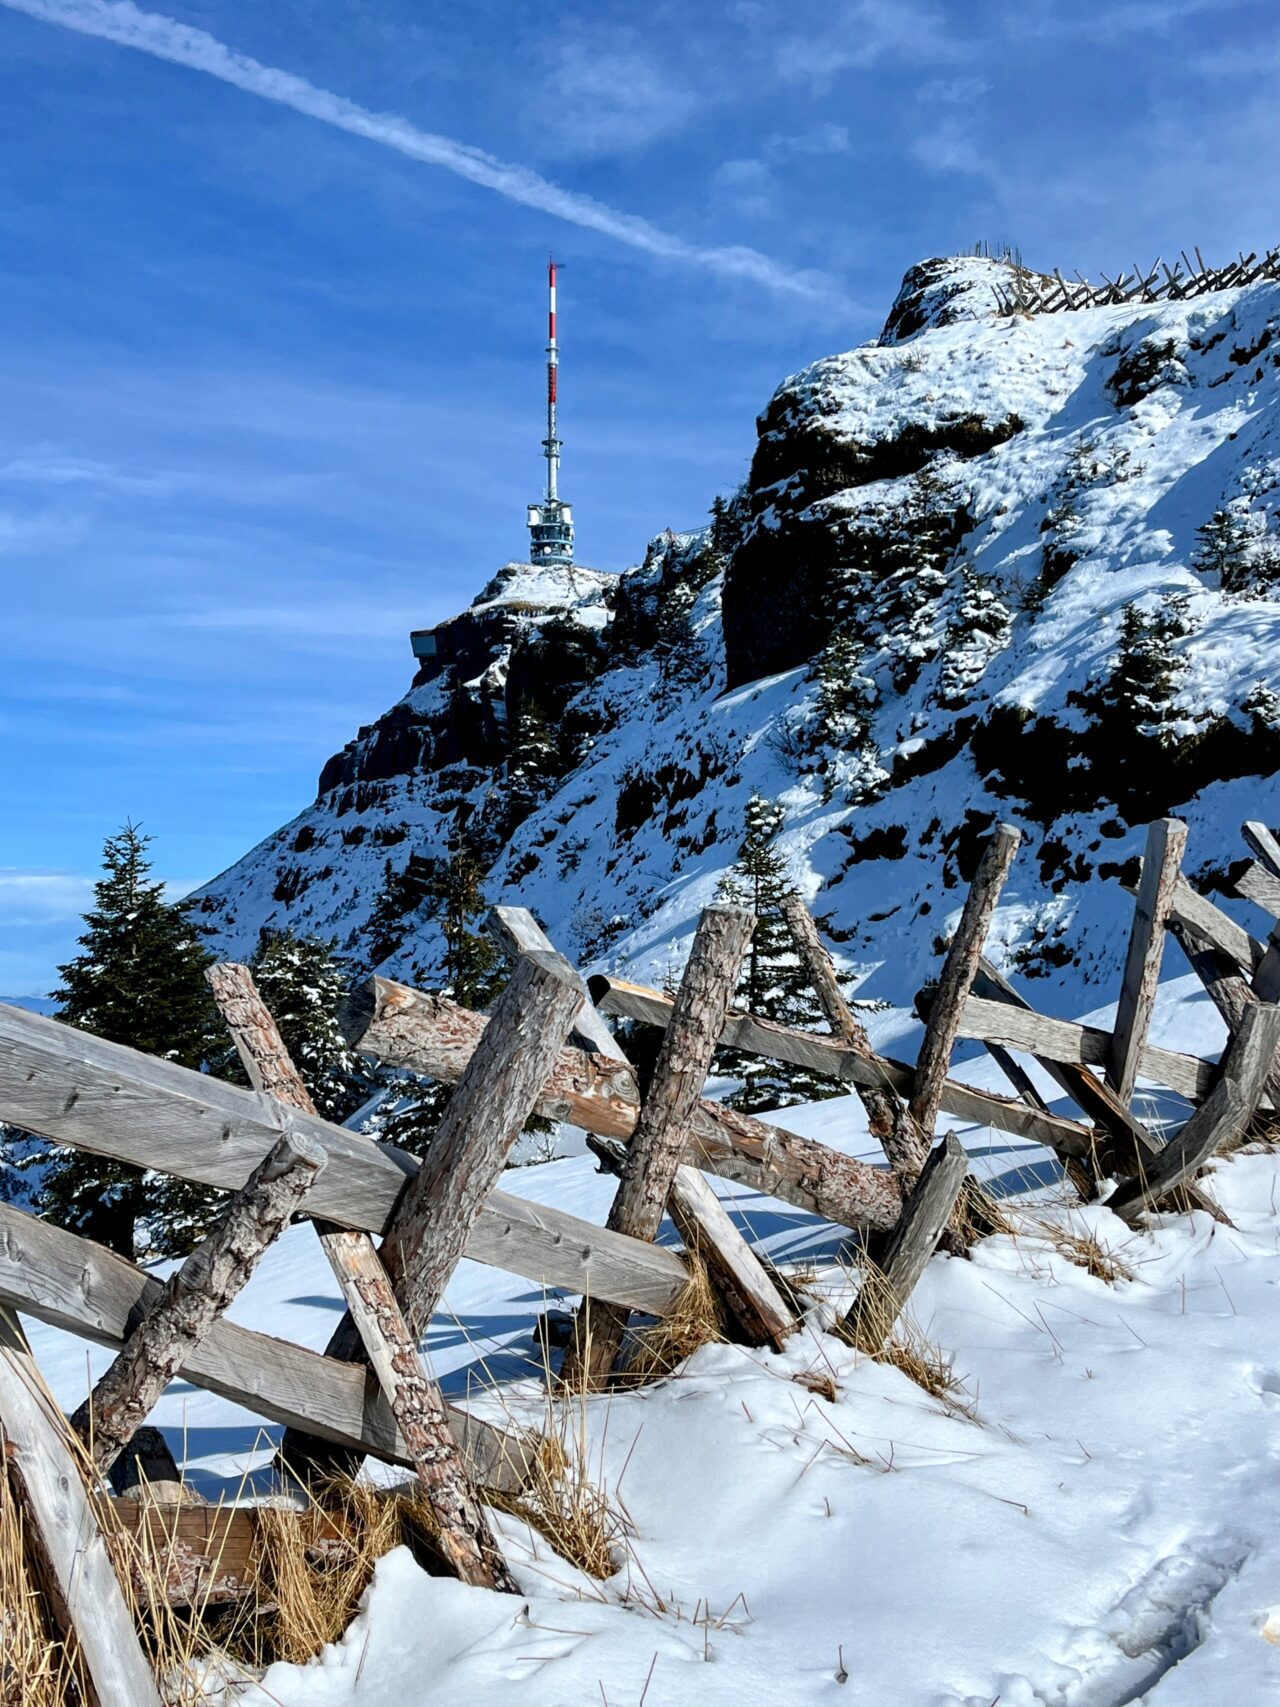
x: 551, y: 521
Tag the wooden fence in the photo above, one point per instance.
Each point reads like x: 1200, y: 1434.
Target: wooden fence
x: 1049, y: 293
x: 546, y: 1047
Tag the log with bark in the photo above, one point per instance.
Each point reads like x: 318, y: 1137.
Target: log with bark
x: 658, y: 1141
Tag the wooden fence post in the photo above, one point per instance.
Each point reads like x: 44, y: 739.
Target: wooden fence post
x: 745, y: 1285
x: 958, y: 969
x: 1161, y: 867
x: 888, y: 1284
x: 195, y: 1295
x: 656, y: 1146
x: 1221, y: 1119
x: 79, y: 1575
x: 1266, y: 980
x: 890, y: 1120
x: 466, y: 1538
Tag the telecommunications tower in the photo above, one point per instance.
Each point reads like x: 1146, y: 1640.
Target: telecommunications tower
x: 551, y: 521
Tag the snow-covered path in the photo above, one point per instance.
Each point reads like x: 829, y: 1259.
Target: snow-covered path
x: 1103, y: 1529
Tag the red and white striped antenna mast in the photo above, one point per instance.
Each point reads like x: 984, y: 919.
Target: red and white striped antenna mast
x: 551, y: 521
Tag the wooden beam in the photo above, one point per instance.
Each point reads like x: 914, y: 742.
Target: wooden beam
x: 957, y: 975
x: 1222, y: 1119
x: 432, y: 1035
x: 86, y: 1289
x: 658, y: 1142
x: 888, y: 1117
x: 1260, y: 886
x: 1126, y: 1143
x: 1066, y: 1042
x: 888, y: 1285
x: 79, y: 1576
x: 196, y: 1294
x: 1161, y: 867
x: 1219, y: 929
x: 744, y: 1284
x: 81, y: 1090
x: 517, y: 932
x: 762, y: 1037
x: 427, y: 1236
x: 1265, y: 843
x: 465, y: 1536
x: 1227, y: 989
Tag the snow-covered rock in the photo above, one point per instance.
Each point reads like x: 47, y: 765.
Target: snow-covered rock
x: 983, y: 508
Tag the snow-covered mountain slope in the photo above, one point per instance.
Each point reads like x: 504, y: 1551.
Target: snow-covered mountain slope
x: 985, y: 568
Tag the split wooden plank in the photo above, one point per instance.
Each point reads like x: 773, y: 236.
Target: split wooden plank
x: 889, y: 1284
x: 465, y: 1536
x: 658, y: 1142
x: 957, y: 975
x: 1188, y: 907
x: 1126, y: 1143
x: 432, y: 1035
x: 71, y: 1283
x: 517, y: 932
x: 744, y: 1284
x: 1227, y: 989
x: 1265, y: 843
x: 1260, y: 886
x: 79, y: 1575
x: 103, y: 1097
x: 762, y: 1037
x: 888, y: 1118
x: 196, y: 1294
x: 1221, y: 1120
x: 1061, y: 1042
x: 1161, y: 868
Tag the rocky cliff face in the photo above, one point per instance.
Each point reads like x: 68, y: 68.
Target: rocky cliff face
x: 986, y: 567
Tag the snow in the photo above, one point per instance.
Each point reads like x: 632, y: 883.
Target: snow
x: 1140, y: 477
x: 1099, y: 1525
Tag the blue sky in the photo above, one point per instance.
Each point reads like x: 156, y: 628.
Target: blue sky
x: 272, y: 377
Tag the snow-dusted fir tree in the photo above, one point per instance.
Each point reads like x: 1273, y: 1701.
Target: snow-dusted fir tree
x: 847, y: 700
x: 773, y: 984
x: 303, y: 983
x: 533, y: 764
x: 979, y: 629
x: 138, y: 980
x: 1139, y: 690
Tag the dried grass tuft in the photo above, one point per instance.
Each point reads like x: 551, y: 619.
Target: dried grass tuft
x: 923, y: 1362
x: 570, y: 1510
x: 694, y: 1320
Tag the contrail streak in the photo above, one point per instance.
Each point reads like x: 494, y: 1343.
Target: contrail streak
x: 166, y: 38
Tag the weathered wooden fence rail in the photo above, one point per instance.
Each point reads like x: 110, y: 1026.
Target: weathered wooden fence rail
x: 1049, y: 293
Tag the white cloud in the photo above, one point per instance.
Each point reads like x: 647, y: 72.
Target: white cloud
x: 612, y: 96
x: 747, y: 185
x: 30, y: 897
x: 821, y: 139
x: 862, y: 34
x: 166, y: 38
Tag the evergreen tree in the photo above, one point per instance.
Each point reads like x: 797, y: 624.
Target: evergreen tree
x: 847, y: 701
x: 303, y: 983
x: 1221, y: 548
x: 980, y: 628
x: 773, y: 984
x: 1143, y: 681
x: 139, y: 980
x: 533, y: 763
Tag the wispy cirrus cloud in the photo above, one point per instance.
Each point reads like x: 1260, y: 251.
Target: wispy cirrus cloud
x: 122, y: 22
